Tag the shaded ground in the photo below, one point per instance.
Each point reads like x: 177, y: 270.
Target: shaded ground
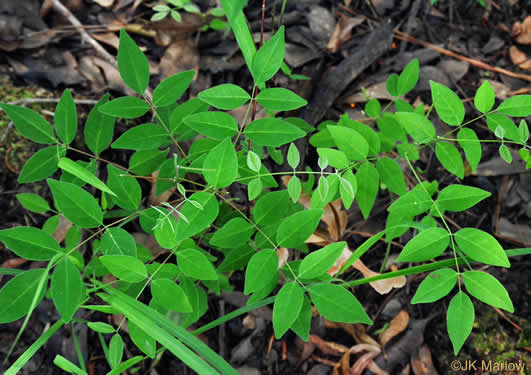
x: 43, y: 55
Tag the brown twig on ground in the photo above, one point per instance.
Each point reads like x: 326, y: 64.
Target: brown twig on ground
x: 48, y: 100
x: 479, y: 64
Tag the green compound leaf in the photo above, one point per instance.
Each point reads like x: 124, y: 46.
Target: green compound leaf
x: 484, y: 99
x: 99, y: 128
x: 273, y: 132
x: 428, y: 244
x: 234, y: 234
x: 516, y: 106
x: 481, y: 247
x: 125, y: 267
x: 368, y: 184
x: 127, y: 107
x: 294, y: 188
x: 469, y: 142
x: 76, y: 204
x: 348, y: 187
x: 337, y: 304
x: 407, y: 80
x: 33, y: 202
x: 221, y: 165
x: 42, y: 164
x: 268, y: 58
x: 459, y: 320
x: 30, y: 124
x: 83, y: 174
x: 215, y: 125
x: 126, y: 188
x: 226, y: 96
x: 172, y: 88
x: 170, y: 295
x: 317, y: 263
x: 449, y: 107
x: 450, y: 158
x: 30, y: 243
x: 65, y: 118
x: 487, y: 289
x: 132, y: 64
x: 118, y: 241
x: 336, y: 159
x: 435, y: 286
x: 280, y: 99
x: 391, y: 175
x: 262, y: 268
x: 417, y: 126
x: 297, y: 228
x: 195, y: 264
x: 66, y: 289
x: 287, y: 307
x: 458, y: 198
x: 17, y: 295
x: 142, y: 137
x: 352, y: 143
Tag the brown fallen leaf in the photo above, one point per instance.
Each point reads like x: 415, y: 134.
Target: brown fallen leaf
x: 397, y: 326
x: 62, y: 229
x: 522, y: 31
x: 328, y: 347
x: 181, y: 55
x: 343, y: 31
x: 519, y: 58
x: 422, y: 363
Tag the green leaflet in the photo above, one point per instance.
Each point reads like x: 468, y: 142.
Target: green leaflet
x: 30, y: 124
x: 469, y: 142
x: 172, y: 88
x: 42, y: 164
x: 144, y: 163
x: 459, y: 320
x: 435, y: 286
x: 272, y: 132
x: 261, y: 269
x: 170, y: 295
x: 132, y: 64
x: 30, y: 243
x: 76, y: 204
x: 368, y: 184
x: 271, y: 207
x: 83, y: 174
x: 116, y: 350
x: 336, y: 159
x: 428, y: 244
x: 481, y: 247
x: 65, y: 118
x: 349, y: 141
x: 125, y: 107
x: 407, y: 79
x: 117, y: 241
x: 449, y: 107
x: 67, y: 289
x: 226, y: 96
x: 484, y: 98
x: 337, y: 304
x: 142, y: 340
x: 319, y: 262
x: 199, y: 219
x: 302, y: 324
x: 417, y: 126
x: 99, y: 128
x: 16, y: 296
x: 143, y: 137
x: 288, y: 305
x: 391, y: 175
x: 460, y: 197
x: 235, y: 233
x: 221, y: 165
x: 279, y: 99
x: 294, y: 188
x: 268, y: 58
x: 297, y: 228
x: 487, y: 289
x: 125, y: 267
x: 450, y: 158
x: 216, y: 125
x: 33, y: 202
x: 516, y: 106
x: 127, y: 189
x: 195, y: 264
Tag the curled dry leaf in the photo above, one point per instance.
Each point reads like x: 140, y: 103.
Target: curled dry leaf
x: 328, y: 347
x: 62, y: 229
x: 520, y: 58
x: 522, y: 31
x: 397, y: 326
x: 365, y: 361
x: 283, y: 255
x: 343, y: 31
